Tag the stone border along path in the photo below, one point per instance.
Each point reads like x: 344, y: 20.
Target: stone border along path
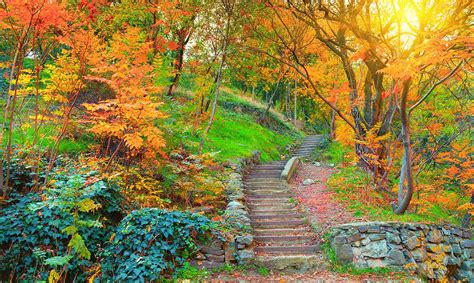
x: 284, y: 240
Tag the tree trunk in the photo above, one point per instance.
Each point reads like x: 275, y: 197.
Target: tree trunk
x: 184, y: 36
x: 404, y: 198
x: 218, y: 85
x: 466, y: 221
x: 270, y: 103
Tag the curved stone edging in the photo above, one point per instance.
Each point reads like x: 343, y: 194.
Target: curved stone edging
x: 290, y: 168
x: 431, y: 250
x: 239, y: 247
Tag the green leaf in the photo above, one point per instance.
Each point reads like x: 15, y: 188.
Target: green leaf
x: 87, y: 205
x: 70, y: 230
x: 77, y: 243
x: 58, y: 260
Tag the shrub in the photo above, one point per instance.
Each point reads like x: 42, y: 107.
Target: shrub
x: 151, y: 243
x: 59, y: 231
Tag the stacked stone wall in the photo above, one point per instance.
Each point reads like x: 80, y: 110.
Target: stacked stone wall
x: 237, y: 247
x: 432, y: 251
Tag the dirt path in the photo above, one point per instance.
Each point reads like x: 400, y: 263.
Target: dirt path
x: 315, y: 197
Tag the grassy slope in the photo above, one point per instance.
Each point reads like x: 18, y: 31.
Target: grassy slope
x: 233, y: 134
x: 350, y: 182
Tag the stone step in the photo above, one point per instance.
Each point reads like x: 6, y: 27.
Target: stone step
x: 263, y: 177
x: 270, y: 207
x: 281, y: 231
x: 293, y: 264
x: 259, y: 195
x: 263, y: 172
x: 290, y: 223
x: 288, y: 250
x: 273, y: 211
x: 280, y: 200
x: 260, y: 181
x: 270, y: 166
x: 276, y: 216
x: 295, y: 239
x: 269, y: 192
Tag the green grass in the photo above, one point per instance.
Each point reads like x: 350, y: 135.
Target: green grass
x: 233, y: 134
x: 344, y: 184
x: 236, y: 135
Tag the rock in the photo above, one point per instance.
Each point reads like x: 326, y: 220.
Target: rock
x: 338, y: 240
x: 246, y: 240
x: 435, y: 248
x: 365, y: 241
x: 215, y: 258
x: 412, y: 243
x: 435, y: 236
x: 452, y: 260
x: 419, y: 255
x: 363, y: 229
x: 467, y: 234
x: 396, y: 257
x: 426, y: 270
x: 373, y: 229
x: 200, y: 256
x: 331, y: 165
x: 393, y: 239
x: 245, y: 256
x: 354, y: 238
x: 455, y: 249
x: 235, y: 205
x: 308, y: 182
x: 376, y: 249
x: 467, y: 244
x: 344, y: 253
x: 374, y: 263
x: 376, y: 237
x: 317, y: 164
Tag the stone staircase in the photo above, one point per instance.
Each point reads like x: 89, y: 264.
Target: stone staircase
x: 284, y: 241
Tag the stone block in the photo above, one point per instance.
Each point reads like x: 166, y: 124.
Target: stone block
x: 396, y: 257
x: 344, y: 253
x: 215, y: 258
x: 467, y: 244
x: 246, y: 240
x: 455, y: 249
x: 435, y: 248
x: 376, y: 237
x: 245, y: 256
x: 355, y: 237
x: 393, y: 238
x: 419, y: 255
x: 412, y: 243
x: 376, y: 249
x: 435, y: 236
x: 338, y: 240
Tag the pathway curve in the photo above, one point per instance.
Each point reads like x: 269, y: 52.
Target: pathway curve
x: 284, y: 241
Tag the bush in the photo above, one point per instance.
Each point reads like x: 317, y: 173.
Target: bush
x: 151, y: 243
x: 59, y: 231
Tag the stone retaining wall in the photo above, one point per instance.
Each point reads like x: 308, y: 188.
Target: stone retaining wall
x: 238, y: 247
x: 432, y: 251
